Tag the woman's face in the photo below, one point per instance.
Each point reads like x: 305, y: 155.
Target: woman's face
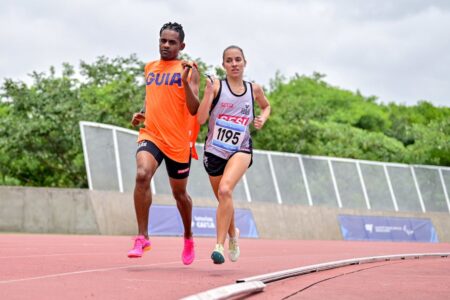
x: 234, y: 62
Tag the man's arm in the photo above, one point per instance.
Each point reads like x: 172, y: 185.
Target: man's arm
x: 191, y: 88
x: 139, y: 117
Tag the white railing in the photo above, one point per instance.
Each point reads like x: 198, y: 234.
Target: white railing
x: 279, y: 177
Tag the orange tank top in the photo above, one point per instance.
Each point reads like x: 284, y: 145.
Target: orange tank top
x: 168, y: 123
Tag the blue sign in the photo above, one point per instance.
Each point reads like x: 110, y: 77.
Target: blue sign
x: 165, y: 220
x: 395, y: 229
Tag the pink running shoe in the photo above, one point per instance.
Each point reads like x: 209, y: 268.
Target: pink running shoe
x: 141, y: 244
x: 188, y: 254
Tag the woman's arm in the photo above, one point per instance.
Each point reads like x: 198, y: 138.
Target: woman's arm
x: 208, y: 96
x: 263, y: 103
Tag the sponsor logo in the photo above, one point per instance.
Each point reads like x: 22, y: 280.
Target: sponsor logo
x: 142, y: 144
x: 227, y: 105
x: 408, y: 231
x: 203, y: 222
x: 234, y: 119
x: 246, y: 110
x: 387, y: 229
x: 163, y: 79
x: 183, y: 171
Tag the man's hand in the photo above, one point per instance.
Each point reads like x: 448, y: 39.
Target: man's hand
x: 191, y: 86
x: 186, y: 68
x: 138, y: 118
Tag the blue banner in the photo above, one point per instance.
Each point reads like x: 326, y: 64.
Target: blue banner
x: 165, y: 220
x: 395, y: 229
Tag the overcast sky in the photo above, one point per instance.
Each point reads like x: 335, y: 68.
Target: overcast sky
x: 397, y: 50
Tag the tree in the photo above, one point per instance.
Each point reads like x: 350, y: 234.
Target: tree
x: 311, y: 117
x: 40, y: 142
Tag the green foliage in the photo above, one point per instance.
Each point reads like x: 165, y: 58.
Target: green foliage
x: 112, y: 90
x: 40, y: 142
x: 431, y: 143
x: 311, y: 117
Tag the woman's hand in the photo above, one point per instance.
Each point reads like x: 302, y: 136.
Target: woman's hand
x: 259, y: 122
x: 209, y: 87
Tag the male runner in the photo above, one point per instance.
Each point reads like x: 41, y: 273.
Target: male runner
x: 171, y: 103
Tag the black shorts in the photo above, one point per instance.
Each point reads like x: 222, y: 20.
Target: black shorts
x: 215, y: 165
x: 175, y: 169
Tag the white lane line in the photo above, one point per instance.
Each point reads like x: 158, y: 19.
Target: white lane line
x: 91, y: 271
x: 60, y: 254
x: 177, y: 282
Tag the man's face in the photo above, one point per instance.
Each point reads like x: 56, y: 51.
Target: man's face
x: 169, y: 44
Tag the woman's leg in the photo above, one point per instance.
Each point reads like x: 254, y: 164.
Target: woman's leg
x: 234, y: 170
x: 215, y: 181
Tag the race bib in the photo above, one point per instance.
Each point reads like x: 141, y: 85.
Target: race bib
x: 228, y: 136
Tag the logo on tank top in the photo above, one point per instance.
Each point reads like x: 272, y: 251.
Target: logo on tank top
x: 227, y: 105
x: 246, y: 110
x: 234, y: 119
x: 163, y: 79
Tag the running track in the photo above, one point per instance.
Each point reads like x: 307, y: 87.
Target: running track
x: 96, y: 267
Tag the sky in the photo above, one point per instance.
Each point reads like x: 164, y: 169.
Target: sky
x: 398, y: 51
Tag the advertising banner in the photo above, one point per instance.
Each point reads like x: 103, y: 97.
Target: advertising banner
x: 396, y: 229
x: 165, y: 220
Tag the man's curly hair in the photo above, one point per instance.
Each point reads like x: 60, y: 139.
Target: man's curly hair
x: 175, y: 27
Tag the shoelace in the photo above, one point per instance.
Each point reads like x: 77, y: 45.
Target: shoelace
x: 233, y: 243
x: 138, y: 243
x: 219, y: 248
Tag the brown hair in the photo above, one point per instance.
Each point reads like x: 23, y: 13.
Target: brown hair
x: 233, y: 47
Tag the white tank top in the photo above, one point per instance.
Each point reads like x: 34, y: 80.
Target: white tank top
x: 229, y: 120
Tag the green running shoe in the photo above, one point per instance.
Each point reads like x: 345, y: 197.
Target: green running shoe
x: 217, y: 255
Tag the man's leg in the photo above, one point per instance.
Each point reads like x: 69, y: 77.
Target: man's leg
x: 184, y: 203
x: 146, y: 168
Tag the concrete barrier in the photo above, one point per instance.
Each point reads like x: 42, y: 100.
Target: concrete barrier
x: 81, y: 211
x: 45, y: 210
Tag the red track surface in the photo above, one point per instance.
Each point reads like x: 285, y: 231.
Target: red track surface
x: 88, y: 267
